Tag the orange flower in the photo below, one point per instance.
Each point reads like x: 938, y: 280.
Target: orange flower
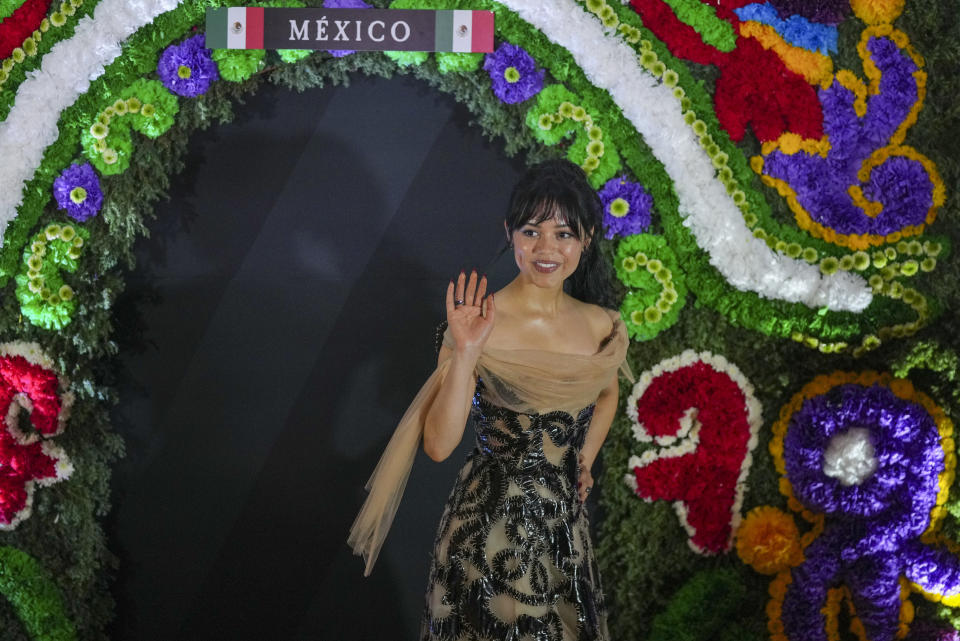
x: 768, y: 540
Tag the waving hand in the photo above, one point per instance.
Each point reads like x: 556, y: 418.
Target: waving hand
x: 469, y: 315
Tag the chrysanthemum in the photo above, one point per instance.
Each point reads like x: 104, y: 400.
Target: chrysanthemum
x: 626, y: 207
x: 187, y: 69
x: 513, y: 74
x: 77, y: 191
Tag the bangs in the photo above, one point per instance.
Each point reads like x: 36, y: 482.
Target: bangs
x: 564, y: 207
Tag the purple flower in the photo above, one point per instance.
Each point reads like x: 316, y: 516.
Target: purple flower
x: 343, y: 4
x: 513, y: 73
x: 901, y: 184
x: 626, y: 207
x: 874, y: 514
x: 187, y: 69
x: 77, y: 191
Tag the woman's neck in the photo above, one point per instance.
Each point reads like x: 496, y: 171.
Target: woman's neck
x: 530, y: 300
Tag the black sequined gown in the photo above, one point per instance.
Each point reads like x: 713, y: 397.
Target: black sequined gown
x: 513, y: 560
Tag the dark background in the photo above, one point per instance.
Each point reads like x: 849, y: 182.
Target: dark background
x: 289, y: 294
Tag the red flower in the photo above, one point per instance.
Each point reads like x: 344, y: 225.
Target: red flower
x: 754, y: 88
x: 26, y: 459
x: 702, y: 476
x: 20, y: 24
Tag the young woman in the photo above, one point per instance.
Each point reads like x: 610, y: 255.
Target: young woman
x: 535, y: 367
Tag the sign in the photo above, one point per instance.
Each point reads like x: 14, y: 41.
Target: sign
x: 357, y: 29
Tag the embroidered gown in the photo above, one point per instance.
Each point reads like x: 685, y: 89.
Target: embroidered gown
x: 513, y: 558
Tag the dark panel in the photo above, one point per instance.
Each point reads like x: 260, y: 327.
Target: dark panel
x: 300, y: 267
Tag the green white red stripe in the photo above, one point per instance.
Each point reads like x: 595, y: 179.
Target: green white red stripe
x: 464, y: 31
x: 235, y: 28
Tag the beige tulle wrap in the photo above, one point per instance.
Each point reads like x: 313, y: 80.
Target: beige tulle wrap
x: 522, y: 380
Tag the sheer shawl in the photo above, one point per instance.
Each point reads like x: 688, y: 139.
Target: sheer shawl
x: 522, y: 380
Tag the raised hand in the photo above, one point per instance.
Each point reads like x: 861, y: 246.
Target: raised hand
x: 469, y: 315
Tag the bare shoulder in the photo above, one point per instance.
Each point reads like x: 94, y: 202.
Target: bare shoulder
x: 599, y: 318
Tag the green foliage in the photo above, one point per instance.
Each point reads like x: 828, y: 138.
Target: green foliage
x: 34, y: 596
x: 701, y: 608
x: 237, y: 65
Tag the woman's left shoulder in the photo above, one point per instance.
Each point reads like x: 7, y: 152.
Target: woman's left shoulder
x: 601, y: 319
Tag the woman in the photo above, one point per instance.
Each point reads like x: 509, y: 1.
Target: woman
x: 536, y: 369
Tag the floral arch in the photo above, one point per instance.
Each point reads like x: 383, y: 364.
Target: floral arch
x: 775, y: 187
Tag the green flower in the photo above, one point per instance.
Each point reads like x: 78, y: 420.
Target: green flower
x: 293, y: 55
x: 595, y: 133
x: 871, y: 341
x: 671, y: 78
x: 669, y: 295
x: 120, y: 106
x: 44, y: 25
x: 654, y: 265
x: 110, y: 156
x: 879, y: 259
x: 648, y: 59
x: 914, y: 248
x: 895, y: 289
x: 829, y: 265
x: 65, y: 292
x: 739, y: 197
x: 809, y: 254
x: 566, y: 109
x: 7, y: 65
x: 591, y: 163
x: 184, y: 72
x: 750, y: 219
x: 78, y: 195
x: 652, y: 315
x: 35, y: 285
x: 67, y: 9
x: 663, y: 306
x: 99, y: 130
x: 891, y: 253
x: 35, y: 263
x: 932, y: 249
x: 720, y: 159
x: 579, y: 113
x: 641, y: 258
x: 903, y: 247
x: 74, y: 252
x: 594, y: 6
x: 52, y: 231
x: 629, y: 264
x: 658, y: 68
x: 846, y: 263
x: 689, y: 117
x: 636, y: 317
x: 30, y: 46
x: 646, y: 45
x: 78, y: 242
x: 545, y: 122
x: 595, y: 148
x: 57, y: 19
x: 663, y: 276
x: 679, y: 93
x: 699, y: 127
x: 861, y: 260
x: 18, y: 55
x: 133, y: 104
x: 67, y: 233
x: 148, y: 110
x: 928, y: 264
x: 794, y: 250
x: 909, y: 268
x: 619, y: 208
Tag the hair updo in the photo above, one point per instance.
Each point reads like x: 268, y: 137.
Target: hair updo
x: 559, y: 189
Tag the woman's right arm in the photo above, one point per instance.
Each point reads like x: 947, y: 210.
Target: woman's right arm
x: 470, y: 326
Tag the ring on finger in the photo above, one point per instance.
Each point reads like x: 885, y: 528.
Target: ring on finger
x: 458, y: 302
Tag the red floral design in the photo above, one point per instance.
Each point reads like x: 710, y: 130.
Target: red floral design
x: 27, y: 458
x: 754, y: 88
x: 703, y: 475
x: 20, y: 24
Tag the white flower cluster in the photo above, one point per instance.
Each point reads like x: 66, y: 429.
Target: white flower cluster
x: 687, y: 438
x: 64, y: 75
x: 710, y: 213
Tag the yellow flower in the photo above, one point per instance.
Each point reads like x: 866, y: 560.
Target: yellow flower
x: 768, y: 540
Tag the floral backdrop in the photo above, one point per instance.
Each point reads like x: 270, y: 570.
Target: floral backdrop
x: 779, y: 186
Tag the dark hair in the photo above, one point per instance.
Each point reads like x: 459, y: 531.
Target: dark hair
x: 561, y: 186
